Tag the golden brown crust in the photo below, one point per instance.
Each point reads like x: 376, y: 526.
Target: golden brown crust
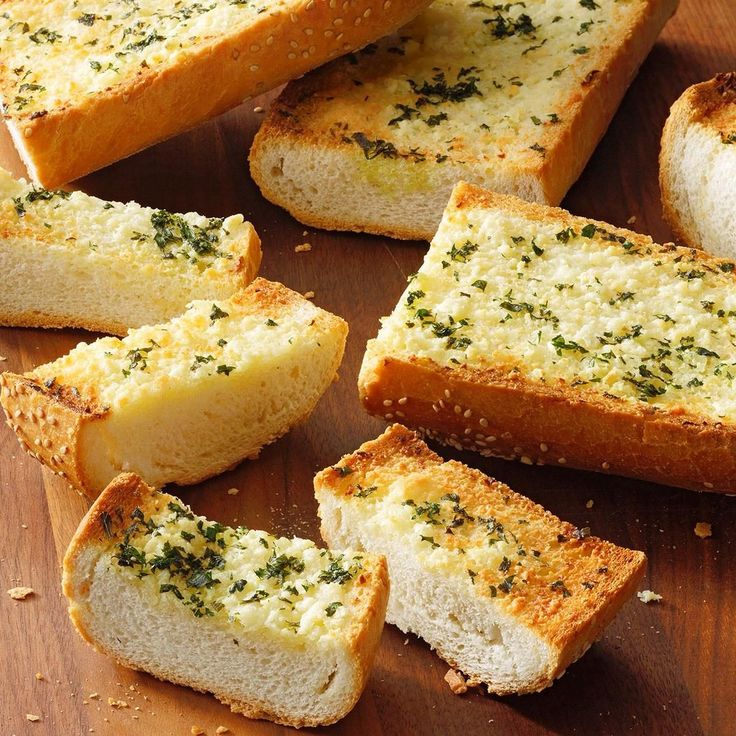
x: 711, y: 104
x: 294, y: 120
x: 108, y: 518
x: 47, y: 418
x: 67, y: 143
x: 497, y: 411
x: 568, y: 624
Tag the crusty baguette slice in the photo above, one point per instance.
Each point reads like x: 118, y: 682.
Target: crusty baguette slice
x: 501, y: 588
x: 535, y: 335
x: 87, y: 83
x: 274, y: 627
x: 697, y: 166
x: 183, y: 400
x: 70, y: 260
x: 511, y: 96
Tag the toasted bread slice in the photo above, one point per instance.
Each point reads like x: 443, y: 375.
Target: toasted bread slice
x: 87, y: 83
x: 70, y: 260
x: 697, y: 166
x: 183, y: 400
x: 502, y: 589
x: 535, y: 335
x: 514, y: 97
x: 274, y: 627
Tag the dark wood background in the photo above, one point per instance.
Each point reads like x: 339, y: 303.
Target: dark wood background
x: 666, y: 668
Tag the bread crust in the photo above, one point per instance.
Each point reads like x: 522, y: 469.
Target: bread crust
x: 50, y: 419
x: 497, y: 411
x: 589, y: 109
x: 710, y: 105
x: 115, y: 504
x: 64, y: 144
x: 569, y: 629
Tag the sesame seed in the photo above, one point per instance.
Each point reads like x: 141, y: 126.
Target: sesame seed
x: 400, y: 414
x: 483, y: 422
x: 561, y: 461
x: 258, y: 109
x: 605, y: 466
x: 518, y: 449
x: 447, y: 394
x: 490, y: 438
x: 526, y: 460
x: 458, y: 409
x: 467, y: 413
x: 707, y: 484
x: 468, y: 431
x: 389, y: 416
x: 543, y: 447
x: 441, y: 403
x: 403, y: 400
x: 387, y: 402
x: 53, y: 421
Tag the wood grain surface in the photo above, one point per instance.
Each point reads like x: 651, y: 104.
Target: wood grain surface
x: 665, y: 668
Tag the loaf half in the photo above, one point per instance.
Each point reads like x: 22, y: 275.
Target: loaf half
x: 70, y: 260
x: 87, y: 83
x: 183, y: 400
x: 512, y: 96
x: 502, y: 589
x: 276, y: 628
x: 551, y: 339
x: 697, y: 166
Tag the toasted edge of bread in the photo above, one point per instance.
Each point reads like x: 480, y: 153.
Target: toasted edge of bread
x: 397, y: 453
x: 63, y: 144
x: 700, y: 107
x: 90, y: 543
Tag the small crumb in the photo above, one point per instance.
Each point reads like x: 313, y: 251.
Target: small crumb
x: 703, y: 530
x: 197, y: 731
x: 303, y: 248
x: 589, y: 504
x: 648, y: 596
x: 258, y: 109
x: 94, y: 696
x: 20, y: 593
x: 222, y: 729
x: 32, y: 718
x: 39, y: 676
x: 406, y: 641
x: 631, y: 220
x: 3, y: 358
x: 24, y: 526
x: 309, y: 295
x: 117, y: 703
x: 233, y: 491
x: 456, y: 682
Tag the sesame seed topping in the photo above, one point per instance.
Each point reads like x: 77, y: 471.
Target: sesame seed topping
x: 605, y: 465
x: 561, y: 461
x: 403, y: 400
x: 483, y: 422
x: 387, y: 402
x: 526, y: 460
x: 543, y: 447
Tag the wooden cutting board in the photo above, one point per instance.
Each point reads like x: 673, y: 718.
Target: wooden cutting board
x: 665, y: 668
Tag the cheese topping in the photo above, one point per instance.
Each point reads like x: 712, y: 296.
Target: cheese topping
x: 74, y: 221
x: 578, y: 305
x: 210, y: 342
x: 470, y: 80
x: 288, y: 587
x: 59, y: 50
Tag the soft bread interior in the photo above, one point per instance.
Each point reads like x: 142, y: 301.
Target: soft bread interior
x: 250, y: 671
x: 468, y: 631
x: 190, y: 433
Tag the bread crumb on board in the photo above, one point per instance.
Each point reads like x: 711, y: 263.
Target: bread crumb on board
x: 309, y: 295
x: 589, y: 504
x: 703, y: 530
x: 117, y: 703
x: 222, y: 729
x: 456, y: 682
x: 20, y: 593
x: 631, y: 220
x: 233, y: 491
x: 303, y: 248
x: 648, y: 596
x: 197, y: 731
x: 33, y: 718
x: 39, y: 676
